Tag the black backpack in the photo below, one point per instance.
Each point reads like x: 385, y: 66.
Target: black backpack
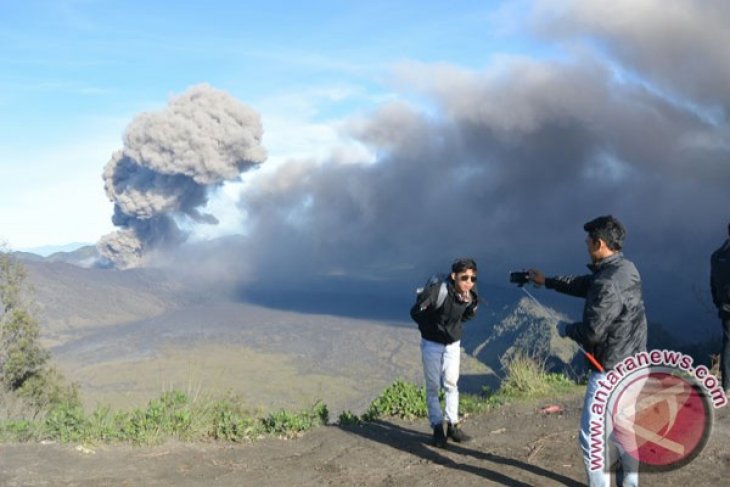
x: 424, y: 307
x: 422, y: 293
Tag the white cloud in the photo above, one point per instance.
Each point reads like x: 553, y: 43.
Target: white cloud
x: 54, y: 195
x: 69, y: 211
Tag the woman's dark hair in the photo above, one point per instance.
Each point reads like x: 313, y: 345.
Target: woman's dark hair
x: 462, y: 264
x: 608, y: 229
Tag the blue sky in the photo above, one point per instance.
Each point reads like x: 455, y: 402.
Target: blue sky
x: 75, y: 73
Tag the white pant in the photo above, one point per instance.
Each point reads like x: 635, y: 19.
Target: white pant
x: 441, y: 364
x: 628, y: 470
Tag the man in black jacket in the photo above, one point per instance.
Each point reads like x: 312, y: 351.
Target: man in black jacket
x: 614, y: 325
x: 720, y: 286
x: 440, y: 310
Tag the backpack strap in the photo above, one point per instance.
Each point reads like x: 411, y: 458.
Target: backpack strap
x: 443, y: 292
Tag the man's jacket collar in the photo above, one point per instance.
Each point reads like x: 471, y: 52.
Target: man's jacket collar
x: 596, y: 266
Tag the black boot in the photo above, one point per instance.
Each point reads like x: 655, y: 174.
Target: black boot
x: 455, y: 432
x: 439, y: 438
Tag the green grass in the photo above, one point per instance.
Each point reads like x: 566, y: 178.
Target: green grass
x: 402, y: 399
x: 525, y: 379
x: 348, y: 418
x: 285, y: 423
x: 174, y: 415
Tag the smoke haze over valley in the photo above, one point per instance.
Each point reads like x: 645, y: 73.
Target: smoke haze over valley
x: 504, y: 164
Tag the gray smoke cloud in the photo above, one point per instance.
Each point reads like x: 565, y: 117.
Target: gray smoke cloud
x: 170, y: 161
x: 510, y: 162
x: 677, y: 45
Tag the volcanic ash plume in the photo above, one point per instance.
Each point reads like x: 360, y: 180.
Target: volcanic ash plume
x: 170, y: 161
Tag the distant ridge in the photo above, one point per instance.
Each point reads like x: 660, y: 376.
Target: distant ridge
x: 47, y: 250
x: 529, y: 330
x: 84, y: 256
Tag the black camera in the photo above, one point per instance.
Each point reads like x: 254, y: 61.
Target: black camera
x: 519, y: 277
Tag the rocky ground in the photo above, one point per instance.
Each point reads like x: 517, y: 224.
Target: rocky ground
x: 512, y: 446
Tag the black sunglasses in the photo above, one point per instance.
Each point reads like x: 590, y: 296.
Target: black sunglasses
x: 465, y: 278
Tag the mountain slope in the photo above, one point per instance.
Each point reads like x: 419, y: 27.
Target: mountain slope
x: 527, y: 329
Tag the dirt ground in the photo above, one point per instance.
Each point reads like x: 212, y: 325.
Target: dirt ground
x: 513, y: 446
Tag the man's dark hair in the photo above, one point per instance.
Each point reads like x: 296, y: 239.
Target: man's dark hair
x: 463, y: 264
x: 608, y: 229
x: 728, y: 229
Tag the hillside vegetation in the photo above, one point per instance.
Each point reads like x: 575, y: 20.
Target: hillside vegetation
x: 177, y: 415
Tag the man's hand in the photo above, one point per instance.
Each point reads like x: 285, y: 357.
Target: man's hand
x: 537, y: 277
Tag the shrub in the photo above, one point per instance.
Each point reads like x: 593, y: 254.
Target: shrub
x: 17, y: 430
x: 230, y: 423
x: 46, y: 390
x: 290, y: 424
x: 173, y: 415
x: 347, y: 418
x: 28, y: 387
x: 168, y: 416
x: 525, y: 378
x: 474, y: 403
x: 66, y: 422
x: 102, y: 425
x: 403, y: 399
x: 21, y: 355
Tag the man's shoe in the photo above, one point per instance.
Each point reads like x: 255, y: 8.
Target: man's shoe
x: 439, y: 438
x: 457, y: 434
